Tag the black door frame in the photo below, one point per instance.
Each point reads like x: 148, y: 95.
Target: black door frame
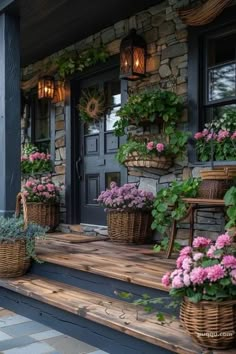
x: 72, y: 126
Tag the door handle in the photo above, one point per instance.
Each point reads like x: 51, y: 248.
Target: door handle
x: 77, y: 167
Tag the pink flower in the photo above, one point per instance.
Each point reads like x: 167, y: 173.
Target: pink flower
x: 186, y: 251
x: 233, y: 276
x: 40, y: 188
x: 198, y: 135
x: 211, y: 136
x: 186, y: 279
x: 229, y: 262
x: 233, y: 136
x: 160, y: 147
x: 215, y: 272
x: 28, y: 184
x: 205, y: 132
x: 177, y: 282
x: 201, y: 242
x: 198, y: 275
x: 150, y: 145
x: 50, y: 187
x: 223, y: 240
x: 187, y: 262
x: 166, y: 279
x: 197, y: 256
x: 179, y: 261
x: 211, y: 252
x: 222, y: 135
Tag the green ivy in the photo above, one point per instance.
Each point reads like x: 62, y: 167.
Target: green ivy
x: 169, y: 205
x: 72, y: 61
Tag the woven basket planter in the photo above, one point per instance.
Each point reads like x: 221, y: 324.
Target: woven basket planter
x: 129, y: 227
x: 43, y: 214
x: 210, y: 324
x: 162, y: 162
x: 14, y: 261
x: 213, y: 188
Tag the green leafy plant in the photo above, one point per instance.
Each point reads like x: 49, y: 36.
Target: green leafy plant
x: 163, y: 245
x: 169, y: 204
x: 149, y: 106
x: 12, y: 229
x: 35, y: 162
x: 72, y: 61
x: 230, y: 202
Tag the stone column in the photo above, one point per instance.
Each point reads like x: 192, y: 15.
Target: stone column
x: 9, y: 113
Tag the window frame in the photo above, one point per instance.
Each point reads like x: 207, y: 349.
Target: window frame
x: 197, y: 75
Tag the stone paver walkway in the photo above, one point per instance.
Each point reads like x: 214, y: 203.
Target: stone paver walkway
x: 20, y: 335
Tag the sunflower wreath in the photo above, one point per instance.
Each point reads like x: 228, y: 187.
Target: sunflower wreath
x: 91, y: 105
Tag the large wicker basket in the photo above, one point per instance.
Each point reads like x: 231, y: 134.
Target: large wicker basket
x: 43, y: 214
x: 162, y: 162
x: 14, y: 261
x: 129, y: 227
x: 214, y: 189
x: 210, y: 324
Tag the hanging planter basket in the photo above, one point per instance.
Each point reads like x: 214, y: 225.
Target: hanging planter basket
x: 211, y: 324
x: 160, y: 162
x: 91, y: 105
x: 129, y: 226
x: 43, y: 214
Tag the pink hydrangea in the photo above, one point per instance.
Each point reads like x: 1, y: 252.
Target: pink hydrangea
x: 223, y: 240
x: 187, y: 263
x: 198, y: 135
x: 160, y: 147
x: 150, y: 145
x: 199, y: 242
x: 166, y: 279
x: 233, y: 276
x: 198, y: 275
x: 186, y: 251
x: 197, y: 256
x: 229, y: 262
x: 179, y: 261
x: 40, y: 188
x: 233, y: 136
x: 186, y: 279
x: 211, y: 136
x: 177, y: 282
x: 215, y: 272
x: 205, y: 132
x: 211, y: 252
x: 222, y: 135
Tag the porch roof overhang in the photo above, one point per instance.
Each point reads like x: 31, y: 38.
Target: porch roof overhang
x: 48, y: 26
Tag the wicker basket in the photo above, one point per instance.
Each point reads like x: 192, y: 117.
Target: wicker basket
x: 14, y: 261
x: 213, y: 188
x: 43, y: 214
x: 129, y: 227
x: 162, y: 162
x: 210, y: 324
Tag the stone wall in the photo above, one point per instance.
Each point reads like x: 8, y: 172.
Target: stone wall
x: 167, y: 46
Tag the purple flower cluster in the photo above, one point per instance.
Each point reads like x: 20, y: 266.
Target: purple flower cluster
x: 127, y: 197
x: 204, y: 264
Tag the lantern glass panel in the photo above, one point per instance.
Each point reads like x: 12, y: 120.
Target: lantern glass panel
x: 138, y: 61
x: 126, y: 61
x: 46, y: 88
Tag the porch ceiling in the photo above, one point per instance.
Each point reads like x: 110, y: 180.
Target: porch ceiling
x: 48, y: 26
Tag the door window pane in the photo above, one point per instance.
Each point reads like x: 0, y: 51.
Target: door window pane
x: 113, y: 98
x: 92, y: 128
x: 42, y: 120
x: 112, y: 177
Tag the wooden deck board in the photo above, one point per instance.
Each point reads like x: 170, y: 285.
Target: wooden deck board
x: 116, y: 314
x: 122, y: 262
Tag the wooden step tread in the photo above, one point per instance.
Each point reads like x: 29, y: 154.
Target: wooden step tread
x: 106, y: 259
x: 116, y: 314
x: 74, y: 238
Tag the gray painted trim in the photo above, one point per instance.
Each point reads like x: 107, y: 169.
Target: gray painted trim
x: 5, y: 3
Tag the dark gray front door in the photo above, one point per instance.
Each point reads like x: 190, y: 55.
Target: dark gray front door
x: 96, y: 163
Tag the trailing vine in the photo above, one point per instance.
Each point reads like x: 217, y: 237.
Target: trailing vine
x: 72, y: 61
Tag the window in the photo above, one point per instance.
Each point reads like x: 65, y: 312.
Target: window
x: 220, y: 76
x: 41, y: 110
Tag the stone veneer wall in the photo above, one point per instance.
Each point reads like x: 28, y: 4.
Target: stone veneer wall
x: 167, y: 46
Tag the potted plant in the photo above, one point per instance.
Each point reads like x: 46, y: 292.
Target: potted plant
x: 230, y: 202
x: 35, y: 162
x: 205, y: 282
x: 155, y: 154
x: 164, y: 107
x: 17, y: 246
x: 128, y: 213
x: 41, y: 197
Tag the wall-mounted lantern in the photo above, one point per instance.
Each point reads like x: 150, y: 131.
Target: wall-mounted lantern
x: 46, y: 88
x: 132, y: 57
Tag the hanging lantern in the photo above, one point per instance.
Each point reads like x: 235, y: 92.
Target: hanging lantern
x: 132, y: 57
x: 46, y: 88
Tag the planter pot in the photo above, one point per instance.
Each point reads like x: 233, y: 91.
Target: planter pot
x: 14, y: 261
x: 162, y: 162
x: 44, y: 214
x: 211, y: 324
x: 218, y: 173
x: 129, y: 226
x: 214, y: 188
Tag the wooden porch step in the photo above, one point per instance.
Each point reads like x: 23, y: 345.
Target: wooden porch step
x: 74, y: 238
x: 114, y: 314
x: 121, y: 262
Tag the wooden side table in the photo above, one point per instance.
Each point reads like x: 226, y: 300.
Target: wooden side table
x: 194, y: 204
